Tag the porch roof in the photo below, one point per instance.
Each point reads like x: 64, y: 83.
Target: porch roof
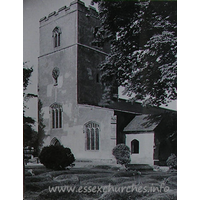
x: 142, y: 123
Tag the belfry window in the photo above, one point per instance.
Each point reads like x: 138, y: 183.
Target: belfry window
x: 56, y: 35
x: 134, y: 146
x: 56, y: 116
x: 92, y: 135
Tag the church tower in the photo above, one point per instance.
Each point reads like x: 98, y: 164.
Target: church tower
x: 66, y: 43
x: 69, y: 82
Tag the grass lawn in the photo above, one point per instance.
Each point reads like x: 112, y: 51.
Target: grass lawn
x: 99, y: 182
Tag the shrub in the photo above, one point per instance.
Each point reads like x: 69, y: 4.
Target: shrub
x: 56, y: 157
x: 172, y: 161
x: 122, y: 154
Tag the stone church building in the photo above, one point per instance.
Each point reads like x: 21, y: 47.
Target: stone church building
x: 70, y: 91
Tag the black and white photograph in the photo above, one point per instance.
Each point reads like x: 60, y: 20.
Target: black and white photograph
x: 99, y: 100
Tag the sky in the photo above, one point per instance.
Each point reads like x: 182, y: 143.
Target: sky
x: 33, y: 11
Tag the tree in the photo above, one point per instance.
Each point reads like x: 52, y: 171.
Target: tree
x: 41, y: 132
x: 143, y: 57
x: 29, y: 135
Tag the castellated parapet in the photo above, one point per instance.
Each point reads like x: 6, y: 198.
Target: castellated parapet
x: 76, y: 5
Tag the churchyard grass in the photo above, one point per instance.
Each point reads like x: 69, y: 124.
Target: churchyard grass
x: 39, y: 180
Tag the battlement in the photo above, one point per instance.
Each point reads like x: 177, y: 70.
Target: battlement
x: 74, y: 6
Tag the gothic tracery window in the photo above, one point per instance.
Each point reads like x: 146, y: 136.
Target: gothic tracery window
x: 56, y: 36
x: 92, y: 135
x: 56, y: 116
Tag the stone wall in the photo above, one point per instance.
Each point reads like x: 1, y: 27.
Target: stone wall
x: 74, y: 136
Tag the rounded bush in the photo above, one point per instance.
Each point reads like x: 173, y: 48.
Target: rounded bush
x: 56, y: 157
x: 122, y: 154
x: 172, y: 161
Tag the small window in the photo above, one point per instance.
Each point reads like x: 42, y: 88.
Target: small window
x: 55, y: 75
x: 56, y: 116
x: 97, y: 78
x: 92, y: 136
x: 134, y: 146
x: 56, y: 36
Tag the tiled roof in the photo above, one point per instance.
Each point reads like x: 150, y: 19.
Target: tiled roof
x: 136, y: 108
x: 142, y: 123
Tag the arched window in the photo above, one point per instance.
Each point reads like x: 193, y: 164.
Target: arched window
x: 92, y: 135
x: 134, y: 146
x: 56, y: 115
x: 55, y: 142
x: 55, y: 75
x: 56, y: 35
x: 97, y: 78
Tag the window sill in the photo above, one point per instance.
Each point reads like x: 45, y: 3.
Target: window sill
x: 92, y: 150
x: 56, y: 129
